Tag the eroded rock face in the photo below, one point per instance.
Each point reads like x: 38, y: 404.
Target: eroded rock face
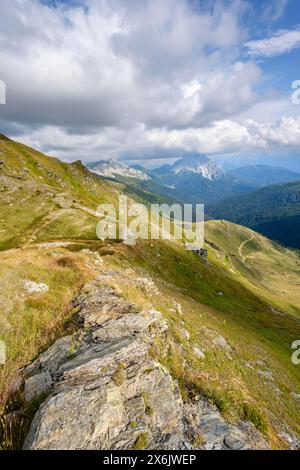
x: 106, y: 392
x: 204, y: 421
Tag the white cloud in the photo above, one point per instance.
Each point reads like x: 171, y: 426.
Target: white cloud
x: 121, y: 63
x: 274, y: 10
x: 282, y: 42
x: 228, y: 136
x: 220, y: 137
x: 128, y: 76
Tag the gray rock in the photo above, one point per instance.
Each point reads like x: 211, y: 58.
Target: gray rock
x: 50, y: 361
x: 220, y: 342
x: 203, y: 419
x: 198, y: 352
x: 37, y: 385
x: 110, y: 392
x: 291, y: 440
x: 265, y: 374
x: 185, y: 334
x: 296, y: 397
x: 126, y: 326
x: 107, y: 391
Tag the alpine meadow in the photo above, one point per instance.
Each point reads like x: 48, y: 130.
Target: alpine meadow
x: 149, y: 229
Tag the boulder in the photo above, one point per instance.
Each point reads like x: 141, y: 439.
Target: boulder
x: 110, y: 392
x: 37, y: 386
x: 199, y: 353
x: 105, y: 391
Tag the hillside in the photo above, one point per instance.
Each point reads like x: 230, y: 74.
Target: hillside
x: 259, y: 176
x: 44, y: 198
x: 223, y: 330
x: 273, y: 211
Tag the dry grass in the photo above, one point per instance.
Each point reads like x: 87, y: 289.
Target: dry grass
x: 30, y: 323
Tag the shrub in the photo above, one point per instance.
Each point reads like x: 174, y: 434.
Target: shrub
x: 149, y: 410
x: 119, y: 376
x: 249, y: 413
x: 141, y: 442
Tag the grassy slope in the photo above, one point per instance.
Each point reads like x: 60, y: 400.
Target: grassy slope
x: 273, y: 211
x: 31, y: 189
x: 256, y: 313
x: 260, y: 337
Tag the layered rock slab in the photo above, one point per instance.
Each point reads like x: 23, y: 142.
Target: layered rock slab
x: 104, y: 390
x: 107, y: 391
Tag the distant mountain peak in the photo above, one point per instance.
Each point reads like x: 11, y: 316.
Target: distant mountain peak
x: 198, y: 163
x: 110, y: 168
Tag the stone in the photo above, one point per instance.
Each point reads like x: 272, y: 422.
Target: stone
x: 178, y: 309
x: 110, y: 390
x: 185, y: 334
x: 265, y: 374
x: 51, y: 359
x: 203, y: 419
x: 202, y: 253
x: 35, y: 288
x: 236, y: 440
x: 220, y: 341
x: 104, y: 390
x: 199, y: 353
x: 99, y: 303
x: 296, y: 397
x: 126, y: 326
x: 37, y: 386
x: 291, y: 440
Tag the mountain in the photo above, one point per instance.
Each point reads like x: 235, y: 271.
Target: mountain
x: 142, y: 346
x: 111, y: 168
x: 197, y: 179
x: 193, y: 178
x: 263, y: 175
x: 198, y: 164
x: 273, y: 211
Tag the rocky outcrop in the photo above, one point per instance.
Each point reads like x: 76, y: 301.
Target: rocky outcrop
x: 205, y: 426
x: 104, y: 391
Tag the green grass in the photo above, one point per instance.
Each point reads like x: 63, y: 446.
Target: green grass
x: 149, y: 410
x: 258, y: 313
x: 30, y: 184
x: 141, y: 442
x: 242, y: 315
x: 31, y: 323
x: 119, y: 376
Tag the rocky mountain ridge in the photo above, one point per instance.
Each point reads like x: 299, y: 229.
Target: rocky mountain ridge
x: 104, y: 390
x: 111, y: 168
x: 198, y: 164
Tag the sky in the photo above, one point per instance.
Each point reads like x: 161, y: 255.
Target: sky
x: 150, y: 80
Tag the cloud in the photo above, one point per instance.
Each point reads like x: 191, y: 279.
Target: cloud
x: 121, y: 63
x: 220, y: 137
x: 95, y: 79
x: 274, y: 10
x: 228, y: 136
x: 282, y: 42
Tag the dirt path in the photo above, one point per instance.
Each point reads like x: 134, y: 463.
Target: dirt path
x: 47, y: 220
x: 54, y: 215
x: 242, y: 246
